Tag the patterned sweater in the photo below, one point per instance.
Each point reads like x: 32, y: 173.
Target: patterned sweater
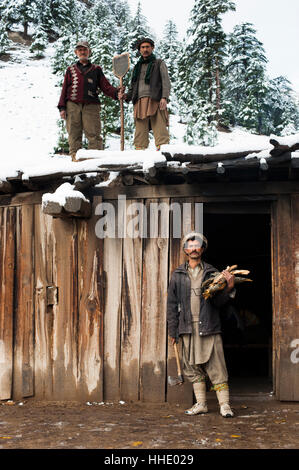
x: 83, y: 83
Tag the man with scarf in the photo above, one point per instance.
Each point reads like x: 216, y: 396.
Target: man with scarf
x: 149, y: 91
x: 197, y: 322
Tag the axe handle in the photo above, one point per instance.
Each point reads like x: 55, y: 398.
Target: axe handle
x: 122, y: 130
x: 175, y: 346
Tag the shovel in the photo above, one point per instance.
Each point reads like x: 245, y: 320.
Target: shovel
x: 179, y: 379
x: 121, y: 65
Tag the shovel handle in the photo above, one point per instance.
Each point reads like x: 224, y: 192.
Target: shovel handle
x: 177, y: 358
x: 122, y: 130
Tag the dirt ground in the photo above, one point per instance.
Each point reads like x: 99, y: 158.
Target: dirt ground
x: 260, y: 422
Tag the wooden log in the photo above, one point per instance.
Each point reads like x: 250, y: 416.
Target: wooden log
x: 206, y: 158
x: 73, y: 206
x: 7, y: 256
x: 77, y: 206
x: 52, y: 208
x: 6, y: 187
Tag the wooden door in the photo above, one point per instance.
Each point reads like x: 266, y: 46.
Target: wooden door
x: 285, y: 268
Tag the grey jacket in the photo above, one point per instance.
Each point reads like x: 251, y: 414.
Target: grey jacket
x: 159, y: 84
x: 179, y: 304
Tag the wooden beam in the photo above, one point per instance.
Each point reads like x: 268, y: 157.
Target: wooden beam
x: 246, y: 190
x: 207, y: 158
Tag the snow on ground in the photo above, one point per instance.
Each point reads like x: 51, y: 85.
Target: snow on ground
x: 29, y: 115
x: 28, y: 100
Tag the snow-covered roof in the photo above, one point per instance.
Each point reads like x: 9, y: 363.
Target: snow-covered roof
x: 100, y: 167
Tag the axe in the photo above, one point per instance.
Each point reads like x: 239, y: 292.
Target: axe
x: 179, y: 379
x: 121, y: 65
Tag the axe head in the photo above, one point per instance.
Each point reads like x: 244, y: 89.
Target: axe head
x: 179, y: 380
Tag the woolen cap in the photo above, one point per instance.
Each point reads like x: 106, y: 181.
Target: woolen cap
x: 196, y: 236
x: 82, y: 44
x: 141, y: 41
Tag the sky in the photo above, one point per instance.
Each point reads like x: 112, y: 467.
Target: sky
x: 276, y: 22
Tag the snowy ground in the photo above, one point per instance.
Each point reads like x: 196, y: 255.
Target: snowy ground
x: 29, y: 115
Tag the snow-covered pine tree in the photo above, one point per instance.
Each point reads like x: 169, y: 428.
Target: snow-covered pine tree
x: 23, y: 12
x: 101, y: 33
x: 40, y: 42
x: 281, y: 108
x: 139, y: 29
x: 169, y: 50
x: 4, y: 40
x: 201, y: 67
x: 245, y: 79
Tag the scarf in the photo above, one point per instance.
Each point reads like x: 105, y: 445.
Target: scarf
x: 150, y: 60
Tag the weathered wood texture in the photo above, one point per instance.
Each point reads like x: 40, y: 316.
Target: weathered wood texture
x: 90, y: 337
x: 7, y: 256
x: 285, y: 322
x: 131, y: 302
x: 84, y: 317
x: 112, y: 261
x: 154, y: 292
x: 23, y: 368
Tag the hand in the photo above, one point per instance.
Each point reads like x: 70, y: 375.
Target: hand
x: 230, y: 279
x: 121, y: 93
x: 163, y: 104
x: 63, y: 114
x: 173, y: 341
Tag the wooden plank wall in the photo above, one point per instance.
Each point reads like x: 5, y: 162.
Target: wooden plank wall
x: 285, y: 224
x: 83, y: 318
x: 137, y: 354
x: 7, y: 257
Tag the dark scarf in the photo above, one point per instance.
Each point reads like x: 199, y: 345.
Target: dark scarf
x: 150, y: 60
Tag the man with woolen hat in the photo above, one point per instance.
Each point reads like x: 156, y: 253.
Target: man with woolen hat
x: 197, y: 322
x: 149, y: 91
x: 79, y: 103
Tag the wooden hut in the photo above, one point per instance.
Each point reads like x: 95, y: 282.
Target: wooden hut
x: 84, y: 317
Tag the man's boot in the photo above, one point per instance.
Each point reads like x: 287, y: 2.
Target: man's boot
x: 200, y: 406
x: 223, y: 399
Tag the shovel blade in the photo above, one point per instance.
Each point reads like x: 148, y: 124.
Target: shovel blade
x: 179, y: 380
x: 121, y: 64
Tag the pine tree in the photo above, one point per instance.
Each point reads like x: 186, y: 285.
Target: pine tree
x: 246, y: 80
x: 24, y: 12
x: 4, y: 40
x: 201, y: 67
x: 40, y: 42
x: 139, y: 29
x: 169, y: 50
x: 281, y: 108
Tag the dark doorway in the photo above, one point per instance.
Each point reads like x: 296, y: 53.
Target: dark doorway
x: 245, y: 240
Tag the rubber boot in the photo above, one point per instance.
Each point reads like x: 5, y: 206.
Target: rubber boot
x: 200, y: 406
x: 223, y: 399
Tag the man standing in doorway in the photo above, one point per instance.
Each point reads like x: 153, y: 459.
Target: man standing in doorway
x: 79, y: 103
x: 197, y: 322
x: 149, y: 91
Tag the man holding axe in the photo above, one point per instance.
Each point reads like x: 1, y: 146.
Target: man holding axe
x: 149, y: 91
x: 196, y: 320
